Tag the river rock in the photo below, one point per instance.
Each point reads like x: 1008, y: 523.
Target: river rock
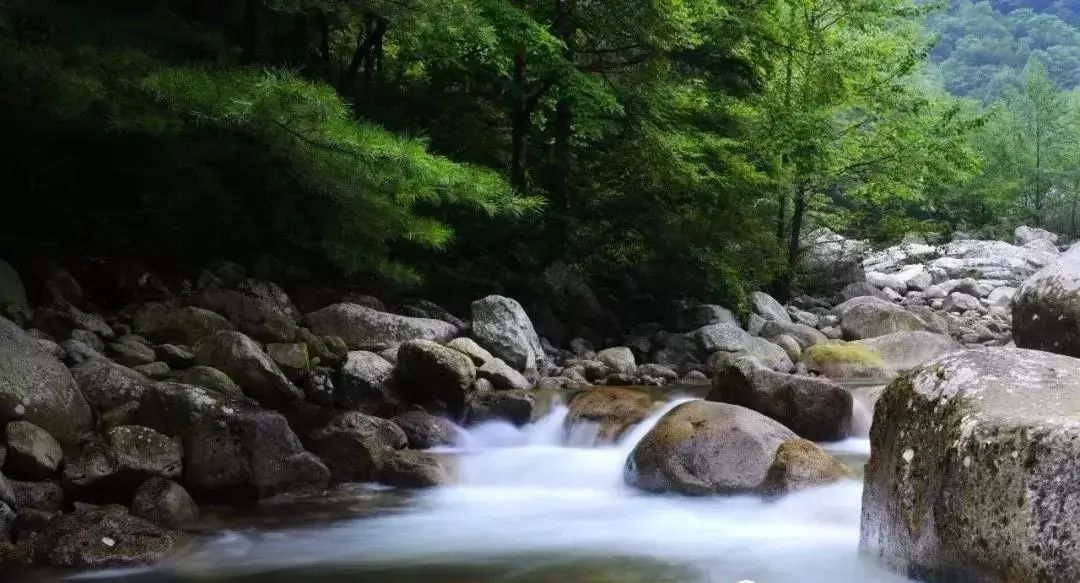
x: 973, y: 464
x: 814, y: 408
x: 258, y: 308
x: 886, y: 280
x: 805, y: 335
x: 429, y: 372
x: 470, y: 348
x: 1001, y: 296
x: 1025, y: 235
x: 609, y: 412
x: 515, y: 407
x: 844, y: 361
x: 364, y: 380
x: 164, y: 502
x: 248, y: 366
x: 801, y: 465
x: 45, y: 496
x: 178, y: 357
x: 292, y: 358
x: 619, y: 359
x: 1046, y: 309
x: 36, y: 387
x: 702, y: 447
x: 130, y: 351
x: 501, y: 326
x: 767, y: 307
x: 830, y: 261
x: 960, y: 302
x: 211, y: 378
x: 735, y: 342
x: 413, y: 469
x: 425, y: 430
x: 503, y: 376
x: 363, y: 328
x: 32, y: 454
x: 188, y: 325
x: 354, y: 445
x: 112, y: 468
x: 101, y: 538
x: 868, y: 317
x: 903, y: 351
x: 60, y: 320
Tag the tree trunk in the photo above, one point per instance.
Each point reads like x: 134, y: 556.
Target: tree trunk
x: 798, y: 214
x: 372, y: 57
x: 519, y: 122
x: 366, y: 40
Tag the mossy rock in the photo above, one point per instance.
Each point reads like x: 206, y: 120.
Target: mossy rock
x: 844, y: 361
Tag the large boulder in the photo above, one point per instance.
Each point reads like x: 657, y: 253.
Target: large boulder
x: 365, y: 380
x: 607, y: 412
x: 801, y: 465
x: 425, y: 430
x: 363, y: 328
x: 767, y: 307
x: 164, y: 502
x: 845, y: 361
x: 1046, y: 308
x: 515, y: 407
x: 868, y: 317
x: 108, y: 385
x: 258, y: 308
x: 354, y: 445
x: 37, y: 387
x: 702, y: 447
x: 502, y: 376
x: 829, y: 261
x: 112, y: 468
x: 1025, y: 235
x: 501, y: 326
x: 253, y: 370
x: 32, y: 454
x: 619, y: 359
x: 100, y: 538
x: 734, y: 342
x: 805, y: 335
x: 188, y: 325
x: 903, y: 351
x: 429, y: 372
x: 974, y: 461
x: 814, y: 408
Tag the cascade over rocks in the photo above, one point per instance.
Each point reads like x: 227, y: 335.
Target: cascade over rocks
x: 973, y: 466
x: 363, y: 328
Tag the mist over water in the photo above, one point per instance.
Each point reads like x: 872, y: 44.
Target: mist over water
x: 534, y: 504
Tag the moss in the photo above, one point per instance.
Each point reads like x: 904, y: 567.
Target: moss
x: 846, y: 353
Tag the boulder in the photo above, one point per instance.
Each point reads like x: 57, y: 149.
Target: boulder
x: 248, y: 366
x: 470, y: 348
x: 619, y: 359
x: 1046, y: 308
x: 844, y: 361
x: 354, y: 445
x: 129, y: 351
x: 292, y: 358
x: 76, y: 352
x: 515, y: 407
x: 502, y: 376
x: 164, y: 502
x: 32, y: 454
x: 188, y: 325
x: 211, y: 378
x: 868, y: 317
x: 658, y: 371
x: 767, y: 307
x: 805, y: 335
x: 318, y: 386
x: 429, y: 372
x: 12, y: 291
x: 973, y: 466
x: 36, y: 387
x: 814, y: 408
x: 59, y: 321
x: 46, y: 497
x: 960, y: 302
x: 425, y: 430
x: 702, y: 447
x: 801, y: 465
x: 364, y: 380
x: 101, y: 538
x: 886, y: 280
x: 861, y: 289
x: 829, y: 261
x: 154, y: 370
x: 735, y: 342
x: 915, y: 277
x: 502, y: 327
x: 258, y: 308
x: 1025, y: 235
x: 607, y: 412
x: 690, y: 315
x: 413, y: 469
x: 1001, y: 296
x: 903, y: 351
x: 363, y: 328
x: 112, y: 468
x: 179, y: 357
x: 108, y: 385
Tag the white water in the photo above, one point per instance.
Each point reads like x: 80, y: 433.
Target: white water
x: 525, y: 496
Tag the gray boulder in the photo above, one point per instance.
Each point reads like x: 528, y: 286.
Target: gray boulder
x: 366, y: 379
x: 211, y: 378
x: 619, y: 359
x: 1025, y: 235
x: 112, y: 468
x: 1046, y: 308
x: 903, y: 351
x: 470, y: 348
x: 868, y: 317
x: 767, y: 307
x: 354, y: 445
x: 414, y: 469
x: 735, y: 342
x: 258, y: 308
x: 38, y: 388
x: 164, y: 502
x: 101, y: 538
x: 501, y: 326
x: 32, y: 454
x: 608, y: 412
x: 248, y: 366
x: 515, y: 407
x: 130, y: 351
x: 428, y: 372
x: 805, y: 335
x: 363, y: 328
x: 502, y: 376
x: 974, y: 461
x: 425, y: 430
x: 960, y: 302
x: 187, y: 325
x: 829, y: 261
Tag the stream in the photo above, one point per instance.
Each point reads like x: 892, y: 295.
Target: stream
x: 533, y: 505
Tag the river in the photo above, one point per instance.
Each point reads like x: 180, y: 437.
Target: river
x: 532, y: 505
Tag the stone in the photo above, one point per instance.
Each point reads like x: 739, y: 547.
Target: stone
x: 960, y: 302
x: 413, y: 469
x: 248, y: 366
x: 36, y: 387
x: 470, y: 348
x: 915, y: 277
x: 176, y: 356
x: 972, y: 469
x: 365, y: 379
x: 12, y: 291
x: 689, y: 315
x: 814, y: 408
x: 1025, y: 235
x: 292, y: 358
x: 168, y: 325
x: 154, y: 370
x: 130, y: 352
x: 903, y: 351
x: 885, y: 280
x: 211, y: 378
x: 89, y: 338
x: 767, y: 307
x: 425, y: 430
x: 502, y: 376
x: 76, y: 352
x: 32, y: 454
x: 603, y: 415
x: 363, y: 328
x: 703, y: 447
x: 619, y: 359
x: 658, y: 371
x: 868, y: 317
x: 47, y: 497
x: 734, y: 342
x: 428, y: 372
x: 318, y: 386
x: 803, y: 334
x: 801, y: 465
x: 101, y: 538
x: 165, y: 503
x: 257, y: 308
x: 829, y: 261
x: 60, y: 320
x: 1046, y: 308
x: 1001, y: 296
x: 515, y: 407
x: 501, y: 326
x: 845, y: 361
x: 354, y: 446
x: 112, y: 468
x: 108, y: 385
x: 318, y: 349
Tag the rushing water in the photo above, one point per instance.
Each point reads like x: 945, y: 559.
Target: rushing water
x: 532, y: 505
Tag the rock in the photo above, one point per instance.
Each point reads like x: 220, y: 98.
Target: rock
x: 59, y: 321
x: 111, y: 469
x: 36, y: 387
x: 1001, y: 296
x: 32, y: 454
x: 658, y: 371
x: 814, y: 408
x: 702, y: 447
x: 429, y: 309
x: 47, y: 497
x: 903, y: 351
x: 790, y: 345
x: 291, y: 358
x: 830, y: 261
x: 768, y: 308
x: 843, y: 361
x: 179, y: 357
x: 7, y: 494
x: 470, y: 348
x: 12, y: 292
x: 1046, y: 308
x: 959, y: 303
x: 502, y: 327
x: 973, y: 464
x: 583, y: 349
x: 1025, y: 235
x: 318, y: 349
x: 869, y: 317
x: 211, y: 378
x: 154, y: 370
x: 606, y: 413
x: 365, y: 380
x: 130, y: 352
x: 187, y: 326
x: 258, y: 308
x: 805, y: 335
x: 76, y: 352
x: 363, y: 328
x: 354, y: 445
x: 619, y: 359
x: 425, y: 431
x: 885, y: 280
x: 989, y: 260
x: 429, y: 372
x: 248, y: 366
x: 691, y: 315
x: 502, y: 376
x: 108, y: 385
x: 915, y: 277
x: 101, y: 538
x: 515, y: 407
x: 413, y: 469
x: 318, y: 386
x: 89, y: 338
x: 860, y: 289
x: 734, y: 342
x: 801, y: 465
x: 164, y: 502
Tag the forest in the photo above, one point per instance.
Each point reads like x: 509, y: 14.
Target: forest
x: 661, y: 147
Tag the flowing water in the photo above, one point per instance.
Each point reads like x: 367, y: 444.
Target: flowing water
x: 534, y: 505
